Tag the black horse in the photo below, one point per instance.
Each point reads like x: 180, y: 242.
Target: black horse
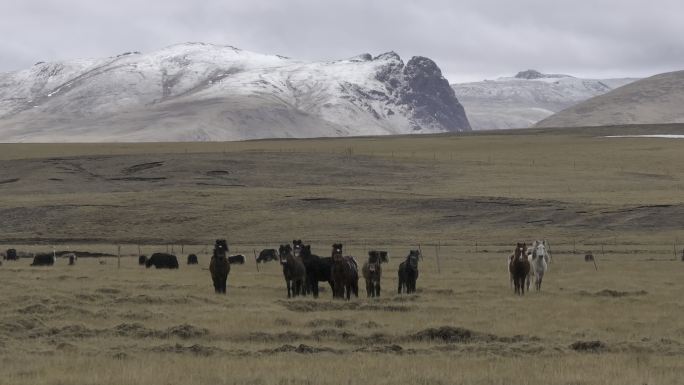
x: 344, y: 274
x: 317, y: 268
x: 294, y: 271
x: 372, y: 272
x: 219, y: 266
x: 142, y: 259
x: 408, y: 272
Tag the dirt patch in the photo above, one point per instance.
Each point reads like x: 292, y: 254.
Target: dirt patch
x: 217, y: 173
x: 137, y: 178
x: 186, y: 331
x: 310, y: 306
x: 449, y: 334
x: 197, y: 349
x: 138, y: 330
x: 394, y: 349
x: 615, y: 293
x: 108, y: 290
x: 35, y: 309
x: 338, y: 323
x: 20, y: 325
x: 588, y: 346
x: 301, y: 349
x: 141, y: 166
x: 370, y: 325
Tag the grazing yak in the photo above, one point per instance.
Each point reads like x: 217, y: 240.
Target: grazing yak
x: 219, y: 266
x: 293, y: 271
x: 344, y: 274
x: 162, y: 261
x: 519, y: 268
x: 43, y: 260
x: 372, y: 272
x: 408, y: 272
x: 237, y: 259
x: 142, y: 259
x: 192, y: 259
x: 317, y: 268
x: 267, y: 255
x: 11, y: 255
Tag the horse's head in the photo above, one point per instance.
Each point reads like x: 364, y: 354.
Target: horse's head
x: 384, y: 257
x: 305, y: 251
x: 520, y: 251
x: 221, y: 244
x: 284, y: 252
x: 373, y: 257
x: 337, y: 251
x: 297, y: 247
x: 413, y: 257
x: 538, y: 249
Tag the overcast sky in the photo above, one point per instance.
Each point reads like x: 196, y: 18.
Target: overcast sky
x: 469, y: 39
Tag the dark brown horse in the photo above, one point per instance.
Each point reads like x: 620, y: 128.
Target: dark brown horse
x: 408, y: 272
x: 293, y: 271
x: 344, y: 274
x: 372, y: 272
x: 519, y: 267
x: 219, y: 266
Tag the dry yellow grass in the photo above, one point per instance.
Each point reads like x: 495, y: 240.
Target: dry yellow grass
x: 93, y: 323
x: 476, y: 195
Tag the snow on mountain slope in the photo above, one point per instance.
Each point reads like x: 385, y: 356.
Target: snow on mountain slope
x: 198, y: 91
x: 523, y: 100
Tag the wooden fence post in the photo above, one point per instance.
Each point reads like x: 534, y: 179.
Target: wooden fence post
x: 439, y: 270
x: 118, y: 256
x: 255, y: 260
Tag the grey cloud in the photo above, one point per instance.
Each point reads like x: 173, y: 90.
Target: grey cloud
x: 469, y: 39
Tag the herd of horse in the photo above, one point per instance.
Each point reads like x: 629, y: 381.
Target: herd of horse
x: 525, y: 264
x: 303, y: 270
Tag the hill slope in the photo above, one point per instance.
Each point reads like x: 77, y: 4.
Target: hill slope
x: 657, y: 99
x: 528, y: 97
x: 198, y: 91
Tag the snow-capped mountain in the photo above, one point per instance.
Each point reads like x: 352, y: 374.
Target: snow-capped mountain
x: 530, y: 96
x: 199, y: 91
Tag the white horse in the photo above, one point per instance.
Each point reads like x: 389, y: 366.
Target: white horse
x: 539, y: 262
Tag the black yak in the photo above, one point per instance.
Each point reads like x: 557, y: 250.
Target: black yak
x: 43, y: 260
x: 267, y: 255
x: 238, y: 259
x: 162, y: 261
x: 192, y: 259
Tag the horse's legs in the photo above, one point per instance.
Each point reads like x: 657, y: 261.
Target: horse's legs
x: 399, y: 288
x: 369, y: 288
x: 287, y: 282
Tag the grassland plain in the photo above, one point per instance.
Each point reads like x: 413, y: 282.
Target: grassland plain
x: 475, y: 195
